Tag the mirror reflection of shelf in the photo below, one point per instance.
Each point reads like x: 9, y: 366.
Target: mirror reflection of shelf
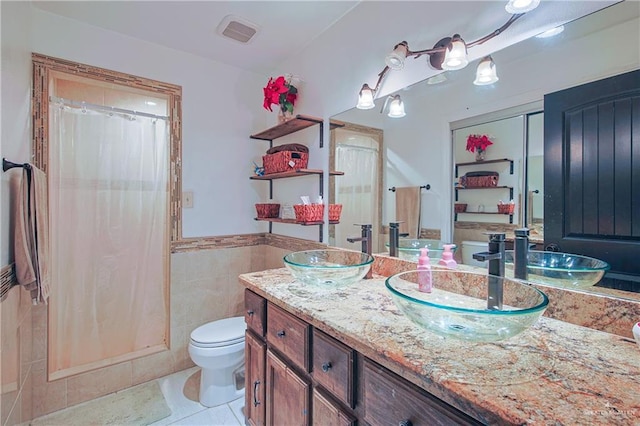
x: 455, y: 216
x: 480, y: 163
x: 294, y: 221
x: 510, y: 188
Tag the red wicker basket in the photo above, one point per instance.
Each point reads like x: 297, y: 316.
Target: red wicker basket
x: 460, y: 207
x: 309, y: 212
x: 284, y: 161
x: 267, y: 210
x: 480, y: 179
x: 334, y: 212
x: 506, y: 208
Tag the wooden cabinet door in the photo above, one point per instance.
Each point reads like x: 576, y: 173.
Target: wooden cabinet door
x: 328, y: 413
x: 288, y: 394
x: 254, y: 390
x: 591, y: 172
x: 390, y: 400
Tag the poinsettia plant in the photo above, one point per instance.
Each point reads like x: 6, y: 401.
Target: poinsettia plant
x: 281, y: 92
x: 478, y: 142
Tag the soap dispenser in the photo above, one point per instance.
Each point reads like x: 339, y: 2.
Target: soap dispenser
x: 447, y: 259
x: 425, y: 283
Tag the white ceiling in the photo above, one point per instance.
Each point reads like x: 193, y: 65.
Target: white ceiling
x: 287, y: 27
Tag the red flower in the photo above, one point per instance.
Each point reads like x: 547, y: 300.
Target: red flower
x: 479, y: 142
x: 280, y: 92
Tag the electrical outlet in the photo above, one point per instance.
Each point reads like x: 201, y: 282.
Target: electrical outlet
x: 187, y: 200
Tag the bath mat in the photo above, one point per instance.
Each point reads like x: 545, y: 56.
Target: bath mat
x: 140, y: 405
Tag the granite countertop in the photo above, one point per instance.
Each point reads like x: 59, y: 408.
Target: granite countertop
x: 553, y: 373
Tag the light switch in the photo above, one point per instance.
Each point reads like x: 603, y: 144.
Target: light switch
x: 187, y: 200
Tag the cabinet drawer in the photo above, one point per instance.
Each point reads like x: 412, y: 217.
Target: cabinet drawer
x: 328, y: 413
x: 333, y: 366
x: 391, y: 400
x: 289, y: 335
x: 255, y: 312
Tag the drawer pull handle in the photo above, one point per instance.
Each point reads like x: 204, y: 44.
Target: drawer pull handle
x: 405, y: 422
x: 250, y: 312
x: 280, y: 333
x: 326, y: 367
x: 255, y: 393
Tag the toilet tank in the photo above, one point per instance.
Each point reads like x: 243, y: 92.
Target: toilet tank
x: 471, y: 247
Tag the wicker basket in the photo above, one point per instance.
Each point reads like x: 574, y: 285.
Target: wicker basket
x: 334, y: 212
x: 506, y: 208
x: 284, y: 161
x: 460, y: 207
x: 309, y: 212
x: 479, y: 180
x: 267, y: 210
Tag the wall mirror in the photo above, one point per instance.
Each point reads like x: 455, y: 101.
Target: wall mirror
x: 417, y: 149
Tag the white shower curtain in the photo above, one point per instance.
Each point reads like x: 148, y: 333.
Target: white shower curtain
x: 357, y: 191
x: 108, y: 192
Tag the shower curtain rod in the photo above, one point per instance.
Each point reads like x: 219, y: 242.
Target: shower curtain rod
x: 87, y: 105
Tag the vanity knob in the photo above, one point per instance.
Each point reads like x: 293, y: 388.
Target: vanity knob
x: 280, y: 333
x: 250, y: 312
x: 405, y: 422
x: 552, y: 247
x: 326, y: 367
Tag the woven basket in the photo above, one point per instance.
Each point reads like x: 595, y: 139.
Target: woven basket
x: 309, y: 212
x: 460, y: 207
x: 284, y: 161
x: 480, y: 180
x: 267, y: 210
x: 334, y: 212
x: 506, y: 208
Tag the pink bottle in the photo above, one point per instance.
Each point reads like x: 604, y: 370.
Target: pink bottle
x: 447, y: 259
x: 425, y: 283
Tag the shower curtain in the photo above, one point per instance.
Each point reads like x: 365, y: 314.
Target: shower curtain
x: 108, y: 195
x: 357, y: 191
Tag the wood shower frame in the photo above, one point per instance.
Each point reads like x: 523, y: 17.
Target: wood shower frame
x: 44, y: 67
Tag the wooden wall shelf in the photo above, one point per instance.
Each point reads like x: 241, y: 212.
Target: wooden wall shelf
x: 294, y: 222
x: 480, y: 163
x: 291, y: 126
x: 294, y: 173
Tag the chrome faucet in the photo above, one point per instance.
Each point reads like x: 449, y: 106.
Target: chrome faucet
x: 394, y: 238
x: 366, y: 239
x: 495, y: 256
x: 521, y: 253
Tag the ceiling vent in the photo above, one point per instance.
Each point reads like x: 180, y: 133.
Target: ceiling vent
x: 237, y: 29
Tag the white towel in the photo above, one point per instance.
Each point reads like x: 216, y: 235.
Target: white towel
x: 31, y: 242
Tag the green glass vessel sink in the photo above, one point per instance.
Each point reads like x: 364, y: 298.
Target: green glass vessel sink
x: 564, y: 270
x: 409, y: 249
x: 328, y: 268
x: 458, y: 307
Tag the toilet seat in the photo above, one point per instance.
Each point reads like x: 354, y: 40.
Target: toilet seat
x: 225, y: 332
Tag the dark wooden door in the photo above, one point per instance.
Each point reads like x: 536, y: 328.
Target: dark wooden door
x: 254, y: 390
x: 288, y: 394
x: 592, y: 172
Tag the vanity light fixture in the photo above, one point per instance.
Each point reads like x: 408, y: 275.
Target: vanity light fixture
x: 450, y: 53
x: 521, y: 6
x: 365, y: 98
x: 486, y: 72
x: 396, y: 107
x: 455, y: 55
x: 395, y: 59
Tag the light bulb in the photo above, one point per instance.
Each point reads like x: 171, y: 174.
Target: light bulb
x: 516, y: 7
x: 396, y: 107
x: 455, y: 55
x: 365, y: 98
x: 395, y: 59
x: 486, y: 72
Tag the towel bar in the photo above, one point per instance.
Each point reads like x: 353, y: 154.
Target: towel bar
x: 427, y: 187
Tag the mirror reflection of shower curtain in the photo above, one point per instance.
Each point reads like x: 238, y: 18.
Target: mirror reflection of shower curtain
x: 357, y: 191
x: 108, y: 192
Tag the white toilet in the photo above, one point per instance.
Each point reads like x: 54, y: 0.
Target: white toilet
x: 218, y: 348
x: 471, y: 247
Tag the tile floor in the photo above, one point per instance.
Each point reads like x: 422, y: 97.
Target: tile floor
x: 180, y: 390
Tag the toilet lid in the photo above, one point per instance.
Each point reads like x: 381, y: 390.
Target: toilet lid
x: 220, y: 333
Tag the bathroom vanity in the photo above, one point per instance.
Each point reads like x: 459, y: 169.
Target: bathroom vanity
x: 348, y: 356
